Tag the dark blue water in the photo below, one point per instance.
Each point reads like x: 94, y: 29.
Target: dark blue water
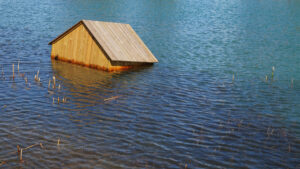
x: 187, y: 111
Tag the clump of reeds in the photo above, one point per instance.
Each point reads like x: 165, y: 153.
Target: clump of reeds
x: 64, y: 100
x: 36, y: 77
x: 20, y: 150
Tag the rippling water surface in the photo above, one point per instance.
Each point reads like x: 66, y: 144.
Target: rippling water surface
x: 187, y: 111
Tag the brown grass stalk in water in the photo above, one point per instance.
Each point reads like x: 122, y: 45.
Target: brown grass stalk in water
x: 111, y: 98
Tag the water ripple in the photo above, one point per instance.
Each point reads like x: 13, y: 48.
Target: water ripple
x: 206, y: 104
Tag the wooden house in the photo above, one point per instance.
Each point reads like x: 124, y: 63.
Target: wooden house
x: 102, y: 45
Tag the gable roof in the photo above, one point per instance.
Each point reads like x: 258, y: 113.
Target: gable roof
x: 119, y: 41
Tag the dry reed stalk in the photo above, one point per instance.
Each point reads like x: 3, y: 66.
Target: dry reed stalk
x: 13, y: 70
x: 64, y: 100
x: 111, y: 98
x: 53, y: 82
x: 41, y: 145
x: 266, y: 78
x: 273, y: 70
x: 53, y: 100
x: 49, y: 83
x: 57, y: 100
x: 58, y: 141
x: 18, y: 149
x: 31, y: 146
x: 18, y: 65
x: 21, y: 153
x: 26, y: 80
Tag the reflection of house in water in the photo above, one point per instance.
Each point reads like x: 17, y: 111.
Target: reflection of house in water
x: 81, y: 76
x: 89, y: 87
x: 84, y: 86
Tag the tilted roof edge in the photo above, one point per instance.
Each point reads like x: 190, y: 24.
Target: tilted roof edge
x: 66, y: 32
x: 71, y: 29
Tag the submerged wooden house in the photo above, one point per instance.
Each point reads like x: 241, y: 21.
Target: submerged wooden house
x: 102, y: 45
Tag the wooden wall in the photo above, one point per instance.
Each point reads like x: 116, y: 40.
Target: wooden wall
x: 80, y: 48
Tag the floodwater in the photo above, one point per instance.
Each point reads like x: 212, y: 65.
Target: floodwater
x: 206, y: 104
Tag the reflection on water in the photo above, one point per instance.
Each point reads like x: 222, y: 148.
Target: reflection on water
x: 78, y: 75
x: 89, y: 87
x: 85, y: 85
x: 184, y: 112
